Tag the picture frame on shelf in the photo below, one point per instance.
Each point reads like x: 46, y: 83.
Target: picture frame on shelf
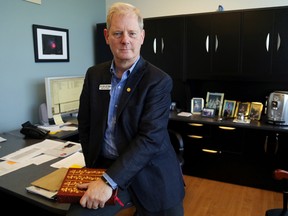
x: 197, y: 105
x: 256, y: 110
x: 229, y: 107
x: 243, y: 108
x: 51, y: 44
x: 208, y: 112
x: 214, y: 101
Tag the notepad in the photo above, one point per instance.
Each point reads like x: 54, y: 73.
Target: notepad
x: 184, y: 114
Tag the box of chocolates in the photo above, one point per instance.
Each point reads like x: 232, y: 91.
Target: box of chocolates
x: 69, y: 193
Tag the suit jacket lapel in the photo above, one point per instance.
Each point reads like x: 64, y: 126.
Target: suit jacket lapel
x: 131, y: 84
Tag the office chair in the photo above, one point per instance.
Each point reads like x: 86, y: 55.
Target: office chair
x: 280, y: 174
x: 178, y: 144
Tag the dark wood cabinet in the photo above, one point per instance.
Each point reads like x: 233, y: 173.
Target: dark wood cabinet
x: 231, y: 152
x: 256, y: 43
x: 280, y: 46
x: 164, y: 47
x: 164, y: 44
x: 265, y: 44
x: 213, y: 45
x: 103, y: 52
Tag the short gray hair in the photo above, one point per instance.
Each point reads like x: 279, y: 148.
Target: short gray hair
x: 123, y: 8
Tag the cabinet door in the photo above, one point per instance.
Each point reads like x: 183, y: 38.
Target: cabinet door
x: 148, y: 49
x: 103, y: 52
x: 225, y: 40
x: 256, y: 43
x: 213, y: 45
x: 280, y: 45
x: 198, y: 46
x: 164, y: 43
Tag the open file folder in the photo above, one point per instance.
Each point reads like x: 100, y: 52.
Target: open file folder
x: 48, y: 185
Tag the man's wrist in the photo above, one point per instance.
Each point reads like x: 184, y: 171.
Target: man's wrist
x: 105, y: 180
x: 109, y: 181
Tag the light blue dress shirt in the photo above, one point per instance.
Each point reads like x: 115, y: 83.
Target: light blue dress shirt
x: 117, y: 85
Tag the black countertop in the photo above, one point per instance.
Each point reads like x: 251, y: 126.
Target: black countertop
x: 254, y: 124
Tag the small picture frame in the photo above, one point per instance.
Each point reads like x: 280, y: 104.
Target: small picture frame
x: 256, y: 110
x: 197, y: 105
x: 208, y: 112
x: 214, y: 101
x: 51, y: 44
x: 242, y: 107
x: 229, y: 107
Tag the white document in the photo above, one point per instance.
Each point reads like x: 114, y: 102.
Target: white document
x: 75, y: 160
x: 32, y: 151
x: 58, y: 119
x: 2, y: 139
x: 24, y: 154
x: 42, y: 192
x: 64, y: 149
x: 10, y: 166
x: 184, y: 114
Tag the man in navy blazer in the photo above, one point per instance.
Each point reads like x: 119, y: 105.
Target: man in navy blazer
x: 123, y: 118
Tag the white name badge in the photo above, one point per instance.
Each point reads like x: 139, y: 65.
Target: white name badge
x: 105, y: 87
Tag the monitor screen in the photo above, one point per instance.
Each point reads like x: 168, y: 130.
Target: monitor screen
x: 62, y: 95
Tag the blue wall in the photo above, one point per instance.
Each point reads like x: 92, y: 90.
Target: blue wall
x: 22, y: 80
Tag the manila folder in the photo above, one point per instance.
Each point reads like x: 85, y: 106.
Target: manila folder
x: 52, y: 181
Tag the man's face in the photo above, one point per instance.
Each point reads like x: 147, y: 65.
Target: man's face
x: 124, y: 37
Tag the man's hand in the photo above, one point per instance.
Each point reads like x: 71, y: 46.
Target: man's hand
x: 96, y: 195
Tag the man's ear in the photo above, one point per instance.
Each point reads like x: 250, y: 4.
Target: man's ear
x: 106, y: 35
x: 143, y: 36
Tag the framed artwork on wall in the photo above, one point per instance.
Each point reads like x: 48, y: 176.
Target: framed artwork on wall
x: 197, y: 105
x: 214, y: 101
x: 50, y: 44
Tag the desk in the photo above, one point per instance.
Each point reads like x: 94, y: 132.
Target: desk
x: 61, y: 135
x: 13, y: 184
x: 222, y: 150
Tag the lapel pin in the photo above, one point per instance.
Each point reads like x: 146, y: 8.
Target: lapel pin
x: 128, y: 89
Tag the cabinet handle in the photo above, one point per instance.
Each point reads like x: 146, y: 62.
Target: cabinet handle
x: 207, y: 43
x: 266, y: 144
x: 195, y: 136
x: 216, y: 43
x: 195, y: 124
x: 267, y: 41
x: 154, y: 45
x: 227, y: 128
x: 276, y: 144
x: 162, y: 45
x: 278, y: 42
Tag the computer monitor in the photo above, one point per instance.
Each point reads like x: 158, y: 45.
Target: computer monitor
x: 62, y: 95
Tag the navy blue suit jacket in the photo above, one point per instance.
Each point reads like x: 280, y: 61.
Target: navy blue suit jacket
x: 147, y: 162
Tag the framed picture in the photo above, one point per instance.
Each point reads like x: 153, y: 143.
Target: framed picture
x: 229, y: 108
x: 208, y: 112
x: 255, y: 110
x: 197, y: 105
x: 50, y: 44
x: 215, y: 101
x: 242, y: 107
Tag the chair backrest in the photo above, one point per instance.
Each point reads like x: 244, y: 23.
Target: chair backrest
x: 280, y: 174
x: 178, y: 144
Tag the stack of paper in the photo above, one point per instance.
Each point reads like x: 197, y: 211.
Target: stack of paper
x: 48, y: 185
